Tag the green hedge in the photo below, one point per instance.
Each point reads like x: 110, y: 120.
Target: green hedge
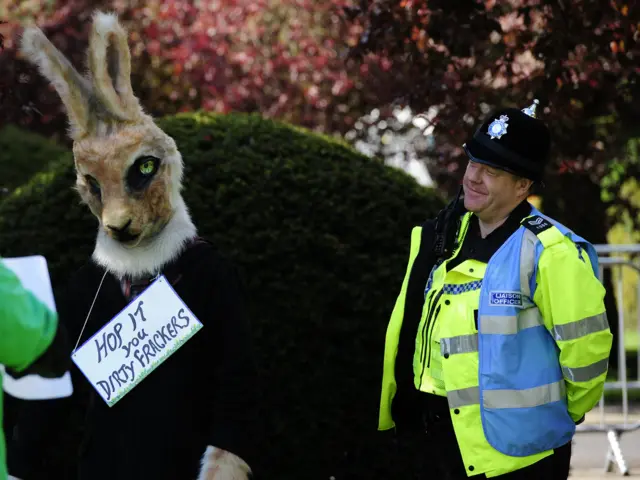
x: 321, y: 234
x: 22, y: 154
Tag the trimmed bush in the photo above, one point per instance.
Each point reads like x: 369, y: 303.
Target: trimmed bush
x: 23, y: 154
x: 321, y: 234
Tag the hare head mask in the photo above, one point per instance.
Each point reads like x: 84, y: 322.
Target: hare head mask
x: 129, y: 172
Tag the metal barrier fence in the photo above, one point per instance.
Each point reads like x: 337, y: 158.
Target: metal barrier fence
x: 611, y: 256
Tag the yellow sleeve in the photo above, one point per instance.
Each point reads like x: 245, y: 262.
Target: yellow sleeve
x: 571, y: 300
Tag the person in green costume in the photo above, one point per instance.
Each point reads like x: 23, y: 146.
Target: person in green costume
x: 31, y: 340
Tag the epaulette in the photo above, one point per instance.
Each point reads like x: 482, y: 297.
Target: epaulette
x: 547, y: 232
x: 536, y: 224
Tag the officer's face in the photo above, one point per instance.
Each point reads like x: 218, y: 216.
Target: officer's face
x: 490, y: 192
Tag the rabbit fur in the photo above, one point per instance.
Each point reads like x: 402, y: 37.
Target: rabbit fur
x: 116, y: 148
x: 113, y: 137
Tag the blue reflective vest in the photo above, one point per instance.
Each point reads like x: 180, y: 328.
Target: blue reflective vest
x: 522, y: 393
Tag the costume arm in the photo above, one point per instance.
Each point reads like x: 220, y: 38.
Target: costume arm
x: 571, y: 300
x: 27, y: 326
x: 234, y: 404
x: 39, y: 420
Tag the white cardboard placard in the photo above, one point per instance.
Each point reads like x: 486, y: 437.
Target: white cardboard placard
x: 136, y: 341
x: 33, y: 273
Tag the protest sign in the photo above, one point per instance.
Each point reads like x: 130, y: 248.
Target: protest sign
x: 136, y: 341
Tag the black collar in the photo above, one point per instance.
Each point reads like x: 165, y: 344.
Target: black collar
x: 171, y: 271
x: 477, y: 248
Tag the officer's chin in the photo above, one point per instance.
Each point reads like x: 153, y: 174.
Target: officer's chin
x: 474, y: 204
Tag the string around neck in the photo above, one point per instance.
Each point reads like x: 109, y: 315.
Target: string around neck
x: 90, y: 310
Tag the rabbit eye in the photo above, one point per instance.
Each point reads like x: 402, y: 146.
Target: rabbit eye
x: 141, y: 172
x: 147, y: 167
x: 94, y: 186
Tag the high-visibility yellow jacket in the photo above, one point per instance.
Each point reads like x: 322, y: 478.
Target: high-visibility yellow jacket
x: 519, y: 346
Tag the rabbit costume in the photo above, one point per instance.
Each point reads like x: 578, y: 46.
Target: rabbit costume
x: 191, y: 418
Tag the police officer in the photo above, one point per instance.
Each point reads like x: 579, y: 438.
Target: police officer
x: 498, y: 344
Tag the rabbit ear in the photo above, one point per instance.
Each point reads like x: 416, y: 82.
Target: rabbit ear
x: 74, y: 90
x: 110, y: 66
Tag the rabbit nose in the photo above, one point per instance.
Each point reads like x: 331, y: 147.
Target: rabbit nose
x: 121, y: 229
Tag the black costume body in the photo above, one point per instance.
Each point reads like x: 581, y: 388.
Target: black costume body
x: 203, y: 394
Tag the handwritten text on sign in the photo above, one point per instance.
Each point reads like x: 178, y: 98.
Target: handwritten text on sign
x: 136, y: 341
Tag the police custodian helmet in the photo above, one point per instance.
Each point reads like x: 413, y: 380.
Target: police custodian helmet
x: 513, y: 140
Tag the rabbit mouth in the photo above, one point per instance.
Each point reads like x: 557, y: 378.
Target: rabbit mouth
x: 126, y: 238
x: 131, y: 240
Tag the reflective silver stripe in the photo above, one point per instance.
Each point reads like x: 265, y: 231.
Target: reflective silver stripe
x: 584, y: 374
x: 573, y: 330
x: 461, y: 344
x: 530, y: 397
x: 463, y: 397
x: 510, y: 324
x: 527, y: 258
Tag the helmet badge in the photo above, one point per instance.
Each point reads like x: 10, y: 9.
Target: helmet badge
x: 498, y: 127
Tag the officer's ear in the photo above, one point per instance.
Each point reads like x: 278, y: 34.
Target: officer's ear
x: 523, y: 186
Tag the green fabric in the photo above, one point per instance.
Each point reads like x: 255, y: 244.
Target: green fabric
x: 27, y: 328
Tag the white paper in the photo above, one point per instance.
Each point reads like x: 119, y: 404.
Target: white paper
x: 34, y: 275
x: 136, y: 341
